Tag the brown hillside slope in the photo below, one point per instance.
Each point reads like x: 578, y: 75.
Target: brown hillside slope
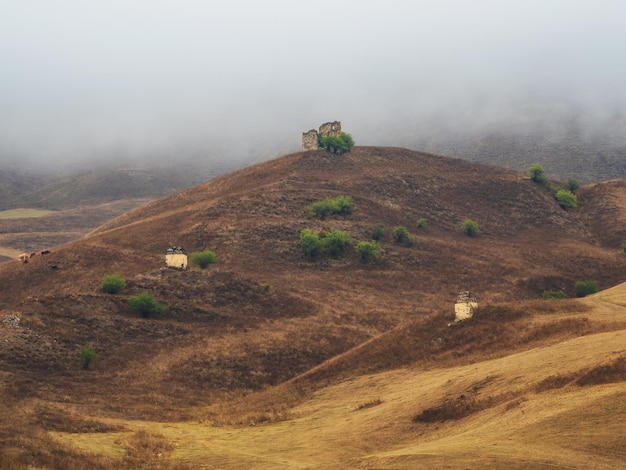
x: 252, y: 219
x: 558, y: 405
x: 264, y: 316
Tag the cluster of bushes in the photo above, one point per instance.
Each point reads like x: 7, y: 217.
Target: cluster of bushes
x: 334, y: 244
x: 581, y: 289
x: 564, y: 196
x: 315, y: 245
x: 336, y: 144
x: 321, y: 209
x: 145, y: 303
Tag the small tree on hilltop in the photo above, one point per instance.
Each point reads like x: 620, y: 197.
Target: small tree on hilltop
x: 202, y: 259
x: 537, y: 173
x: 336, y: 144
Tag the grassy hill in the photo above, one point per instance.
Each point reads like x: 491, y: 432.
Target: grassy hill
x: 270, y: 360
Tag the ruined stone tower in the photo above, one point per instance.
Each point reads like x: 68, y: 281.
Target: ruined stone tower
x: 309, y: 139
x: 466, y: 306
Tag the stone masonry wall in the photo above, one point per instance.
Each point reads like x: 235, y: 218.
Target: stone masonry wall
x: 309, y: 139
x: 466, y: 306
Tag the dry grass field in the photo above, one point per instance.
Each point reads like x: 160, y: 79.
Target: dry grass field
x: 270, y: 360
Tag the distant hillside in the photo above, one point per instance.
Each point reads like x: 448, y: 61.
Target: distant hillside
x: 90, y: 187
x: 14, y: 187
x: 265, y: 317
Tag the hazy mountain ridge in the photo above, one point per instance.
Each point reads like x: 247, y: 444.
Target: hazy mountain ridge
x: 569, y: 145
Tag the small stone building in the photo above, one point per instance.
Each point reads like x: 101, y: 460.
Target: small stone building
x: 466, y: 306
x: 309, y: 139
x: 175, y: 257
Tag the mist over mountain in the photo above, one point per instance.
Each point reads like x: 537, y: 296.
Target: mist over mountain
x: 204, y: 85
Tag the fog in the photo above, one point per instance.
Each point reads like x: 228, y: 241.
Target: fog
x: 238, y: 81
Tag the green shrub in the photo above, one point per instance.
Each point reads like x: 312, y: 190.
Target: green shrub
x: 378, y: 232
x: 421, y: 223
x: 202, y: 259
x: 369, y: 251
x: 87, y: 355
x: 402, y: 236
x: 565, y: 198
x: 537, y: 173
x: 145, y: 304
x: 336, y: 144
x: 470, y: 227
x: 335, y: 243
x: 584, y: 288
x: 309, y: 243
x: 329, y: 206
x: 573, y: 185
x: 553, y: 294
x: 113, y: 283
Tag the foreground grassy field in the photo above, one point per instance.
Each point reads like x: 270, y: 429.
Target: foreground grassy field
x: 561, y: 405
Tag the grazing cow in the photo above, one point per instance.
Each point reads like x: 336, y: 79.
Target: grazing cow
x: 45, y: 252
x: 23, y: 257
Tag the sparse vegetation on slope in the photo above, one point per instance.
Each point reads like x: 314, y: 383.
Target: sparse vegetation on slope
x: 252, y: 341
x: 329, y: 206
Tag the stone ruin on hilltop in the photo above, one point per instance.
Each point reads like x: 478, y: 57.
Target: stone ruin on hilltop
x: 466, y: 306
x: 309, y: 139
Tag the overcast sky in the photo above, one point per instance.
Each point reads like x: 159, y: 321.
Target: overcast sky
x: 86, y: 79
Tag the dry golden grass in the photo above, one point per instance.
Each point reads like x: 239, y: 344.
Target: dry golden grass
x: 24, y: 213
x: 508, y: 418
